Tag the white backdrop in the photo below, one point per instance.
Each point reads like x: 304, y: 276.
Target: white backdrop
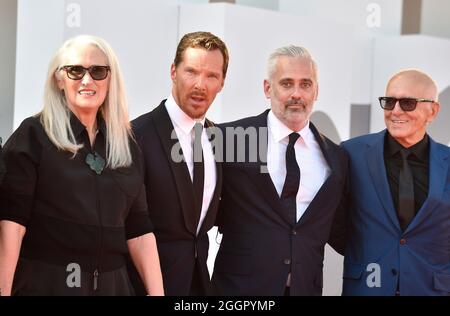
x: 369, y: 18
x: 144, y: 38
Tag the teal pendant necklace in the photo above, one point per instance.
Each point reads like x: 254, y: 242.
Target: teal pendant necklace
x: 95, y: 162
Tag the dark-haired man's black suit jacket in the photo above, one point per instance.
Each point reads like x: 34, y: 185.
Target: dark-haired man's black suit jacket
x: 260, y: 246
x: 2, y: 165
x: 170, y: 197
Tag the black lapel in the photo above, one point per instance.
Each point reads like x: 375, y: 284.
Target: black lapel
x: 259, y: 175
x: 210, y: 217
x: 180, y: 170
x: 377, y: 169
x: 329, y: 186
x: 438, y: 177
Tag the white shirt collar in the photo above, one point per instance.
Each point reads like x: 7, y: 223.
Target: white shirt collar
x: 279, y: 131
x: 179, y: 118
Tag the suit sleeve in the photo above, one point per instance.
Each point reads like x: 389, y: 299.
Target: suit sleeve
x: 339, y: 228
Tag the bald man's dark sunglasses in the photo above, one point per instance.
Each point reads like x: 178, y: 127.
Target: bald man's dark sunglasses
x: 406, y: 104
x: 77, y: 72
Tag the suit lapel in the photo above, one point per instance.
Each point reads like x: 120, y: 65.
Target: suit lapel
x: 438, y: 175
x: 377, y: 169
x: 180, y: 170
x: 259, y: 175
x: 213, y: 206
x: 329, y: 184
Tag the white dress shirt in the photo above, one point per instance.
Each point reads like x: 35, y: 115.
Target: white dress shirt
x: 184, y: 128
x: 314, y: 169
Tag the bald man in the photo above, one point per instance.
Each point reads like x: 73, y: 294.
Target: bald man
x: 397, y: 219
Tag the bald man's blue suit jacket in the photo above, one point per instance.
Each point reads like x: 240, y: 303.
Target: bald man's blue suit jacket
x: 419, y: 257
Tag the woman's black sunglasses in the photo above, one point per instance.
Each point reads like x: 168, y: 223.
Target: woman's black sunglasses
x: 77, y: 72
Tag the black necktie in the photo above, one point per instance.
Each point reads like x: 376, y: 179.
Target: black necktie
x: 405, y: 192
x: 292, y: 182
x: 199, y: 171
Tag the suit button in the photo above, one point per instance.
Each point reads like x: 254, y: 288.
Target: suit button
x: 403, y: 241
x: 287, y: 261
x: 394, y: 272
x: 294, y: 232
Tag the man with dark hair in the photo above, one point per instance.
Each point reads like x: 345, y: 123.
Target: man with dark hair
x: 182, y: 177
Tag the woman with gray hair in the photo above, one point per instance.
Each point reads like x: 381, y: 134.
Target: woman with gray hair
x: 72, y: 201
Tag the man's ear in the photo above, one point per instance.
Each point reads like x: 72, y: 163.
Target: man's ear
x: 173, y: 73
x: 435, y: 108
x: 317, y: 92
x: 267, y: 88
